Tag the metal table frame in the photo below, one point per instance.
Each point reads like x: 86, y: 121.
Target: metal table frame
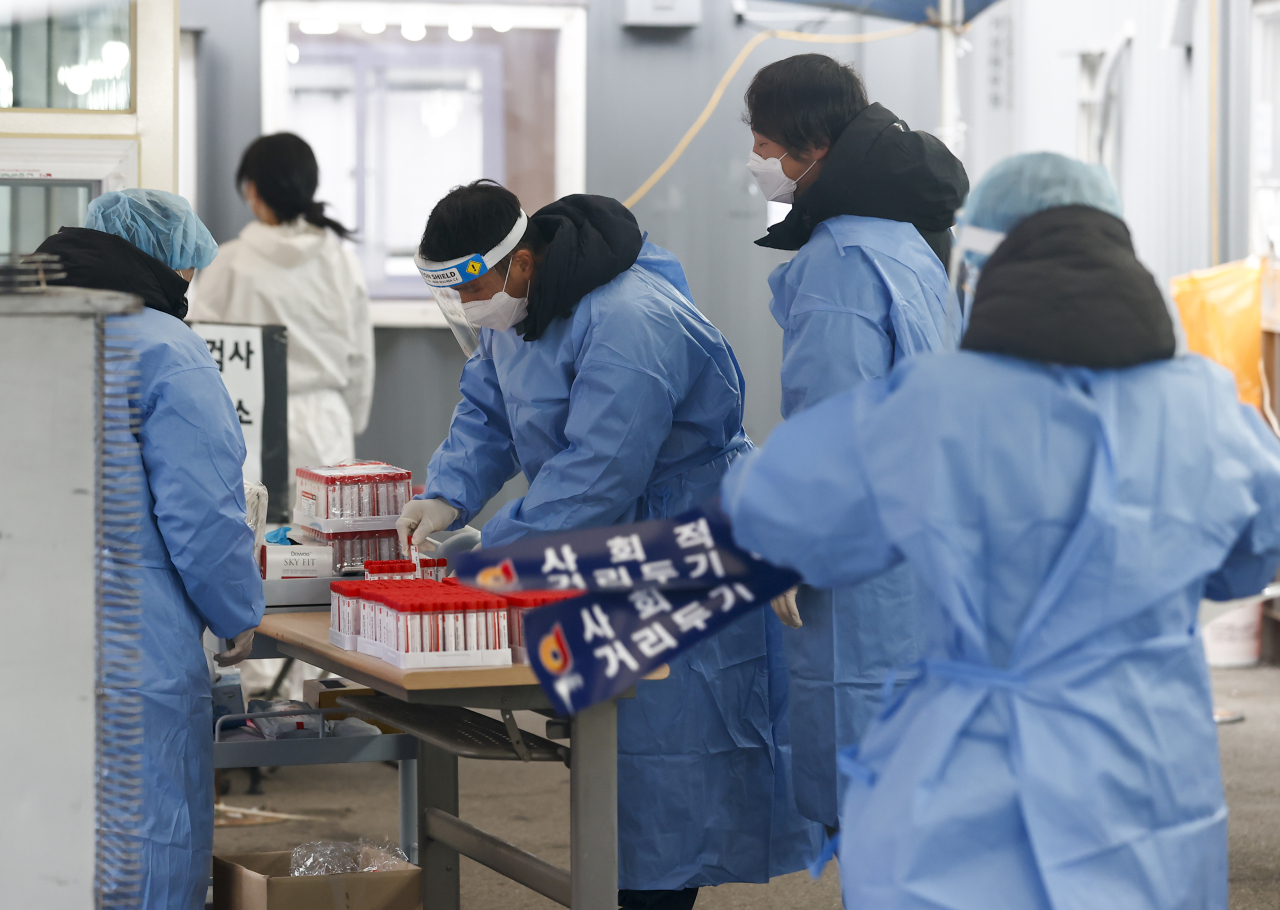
x: 592, y: 877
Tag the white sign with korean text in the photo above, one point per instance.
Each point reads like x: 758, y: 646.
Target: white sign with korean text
x: 237, y: 350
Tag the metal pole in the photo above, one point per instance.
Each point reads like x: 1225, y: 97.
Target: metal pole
x: 500, y: 856
x: 950, y: 18
x: 409, y: 808
x: 437, y: 789
x: 593, y: 808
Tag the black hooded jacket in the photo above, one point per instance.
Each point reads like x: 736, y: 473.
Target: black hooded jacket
x: 105, y: 262
x: 880, y: 168
x: 591, y: 240
x: 1065, y: 287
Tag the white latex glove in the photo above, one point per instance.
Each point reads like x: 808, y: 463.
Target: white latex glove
x: 255, y: 515
x: 785, y: 606
x: 241, y: 645
x: 421, y: 517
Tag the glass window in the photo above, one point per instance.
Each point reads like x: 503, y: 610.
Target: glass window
x: 74, y: 59
x: 31, y: 210
x: 398, y: 117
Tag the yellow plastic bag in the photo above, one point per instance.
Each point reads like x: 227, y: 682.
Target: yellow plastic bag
x: 1221, y: 311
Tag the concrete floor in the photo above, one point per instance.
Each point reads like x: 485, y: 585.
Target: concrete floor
x: 529, y: 806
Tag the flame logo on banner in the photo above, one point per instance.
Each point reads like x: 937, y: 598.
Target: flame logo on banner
x: 553, y: 651
x: 503, y: 575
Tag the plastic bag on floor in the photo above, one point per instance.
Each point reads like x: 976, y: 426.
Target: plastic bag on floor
x: 337, y: 857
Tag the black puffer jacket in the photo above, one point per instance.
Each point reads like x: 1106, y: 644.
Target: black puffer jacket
x: 1066, y: 287
x: 591, y: 240
x: 880, y: 168
x: 105, y: 262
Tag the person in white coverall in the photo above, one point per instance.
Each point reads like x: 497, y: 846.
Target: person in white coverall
x: 291, y: 267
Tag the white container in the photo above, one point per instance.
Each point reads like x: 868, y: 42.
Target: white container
x: 424, y: 659
x: 345, y: 525
x: 1232, y: 632
x: 291, y: 562
x: 344, y: 640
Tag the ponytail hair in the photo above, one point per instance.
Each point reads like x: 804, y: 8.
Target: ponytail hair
x: 284, y: 172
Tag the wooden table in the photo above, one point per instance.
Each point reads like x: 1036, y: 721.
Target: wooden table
x: 593, y: 781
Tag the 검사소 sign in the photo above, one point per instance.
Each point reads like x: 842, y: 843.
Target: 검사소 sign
x: 654, y: 590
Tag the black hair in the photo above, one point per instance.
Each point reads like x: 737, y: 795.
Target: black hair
x: 284, y: 172
x: 474, y: 219
x: 804, y: 102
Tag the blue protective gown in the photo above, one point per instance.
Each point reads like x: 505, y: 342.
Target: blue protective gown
x: 1058, y: 750
x: 195, y: 569
x: 860, y: 296
x: 632, y: 409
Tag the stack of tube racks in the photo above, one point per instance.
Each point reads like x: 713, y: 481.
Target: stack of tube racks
x: 351, y: 507
x: 416, y: 623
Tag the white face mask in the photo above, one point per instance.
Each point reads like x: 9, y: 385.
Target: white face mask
x: 774, y: 183
x: 500, y: 312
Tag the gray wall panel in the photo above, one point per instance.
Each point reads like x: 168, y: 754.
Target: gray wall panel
x: 229, y: 105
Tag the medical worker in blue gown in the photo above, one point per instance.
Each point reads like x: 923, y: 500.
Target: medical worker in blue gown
x: 1069, y: 490
x: 194, y: 558
x: 867, y: 289
x: 596, y: 376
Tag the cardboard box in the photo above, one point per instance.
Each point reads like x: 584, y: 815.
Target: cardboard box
x: 324, y: 693
x: 261, y: 881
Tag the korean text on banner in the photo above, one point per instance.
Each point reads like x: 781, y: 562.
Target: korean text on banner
x: 237, y: 350
x: 653, y: 590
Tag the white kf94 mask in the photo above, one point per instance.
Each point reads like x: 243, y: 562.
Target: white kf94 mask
x: 500, y: 312
x: 774, y: 183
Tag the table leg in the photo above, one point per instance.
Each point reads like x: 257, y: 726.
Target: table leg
x: 437, y: 788
x: 593, y: 808
x: 409, y: 808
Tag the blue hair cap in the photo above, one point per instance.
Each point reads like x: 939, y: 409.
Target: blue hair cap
x: 159, y: 223
x: 1022, y: 185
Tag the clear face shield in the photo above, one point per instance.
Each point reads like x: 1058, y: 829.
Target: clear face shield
x: 450, y: 303
x: 972, y: 248
x: 444, y: 279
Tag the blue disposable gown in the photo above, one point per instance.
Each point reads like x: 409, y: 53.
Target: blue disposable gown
x: 1059, y: 749
x: 195, y: 569
x: 862, y: 295
x: 632, y: 409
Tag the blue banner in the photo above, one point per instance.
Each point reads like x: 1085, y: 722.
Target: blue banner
x: 654, y: 589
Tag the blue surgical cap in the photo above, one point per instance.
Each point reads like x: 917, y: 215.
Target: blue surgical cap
x: 162, y: 224
x: 1022, y: 185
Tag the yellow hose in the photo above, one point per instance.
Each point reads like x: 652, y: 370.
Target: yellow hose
x: 732, y: 71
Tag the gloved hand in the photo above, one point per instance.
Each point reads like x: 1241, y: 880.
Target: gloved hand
x: 241, y: 645
x: 421, y: 517
x: 785, y: 606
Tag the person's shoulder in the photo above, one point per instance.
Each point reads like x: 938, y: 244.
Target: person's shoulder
x: 879, y: 238
x: 163, y: 344
x: 947, y: 380
x: 637, y: 296
x: 850, y: 242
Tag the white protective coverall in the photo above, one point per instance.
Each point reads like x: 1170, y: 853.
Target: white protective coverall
x: 303, y: 277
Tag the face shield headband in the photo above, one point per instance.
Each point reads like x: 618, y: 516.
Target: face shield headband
x: 972, y: 248
x: 444, y: 279
x: 468, y: 268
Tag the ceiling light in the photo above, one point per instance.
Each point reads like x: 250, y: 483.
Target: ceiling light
x: 115, y: 54
x: 317, y: 26
x: 413, y: 31
x: 460, y: 29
